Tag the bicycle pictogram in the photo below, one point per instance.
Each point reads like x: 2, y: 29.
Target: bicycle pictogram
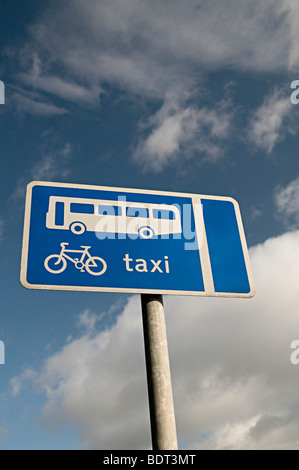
x: 57, y: 263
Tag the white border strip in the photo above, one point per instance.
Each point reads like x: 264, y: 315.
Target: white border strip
x: 203, y: 246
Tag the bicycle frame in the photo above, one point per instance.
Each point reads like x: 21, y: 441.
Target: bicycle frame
x: 62, y: 257
x: 84, y: 252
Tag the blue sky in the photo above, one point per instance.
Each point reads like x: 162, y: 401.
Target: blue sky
x: 175, y: 96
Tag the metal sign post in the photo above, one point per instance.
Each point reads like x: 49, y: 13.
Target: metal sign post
x: 162, y: 416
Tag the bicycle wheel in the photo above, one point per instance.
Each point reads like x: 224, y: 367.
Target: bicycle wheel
x: 53, y: 266
x: 96, y: 266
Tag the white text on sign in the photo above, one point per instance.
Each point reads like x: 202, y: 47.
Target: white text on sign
x: 141, y: 265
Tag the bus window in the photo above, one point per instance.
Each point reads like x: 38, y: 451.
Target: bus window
x: 81, y: 208
x: 163, y: 214
x: 59, y: 213
x: 105, y: 209
x: 137, y: 212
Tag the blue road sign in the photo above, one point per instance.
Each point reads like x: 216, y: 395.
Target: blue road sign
x: 95, y: 238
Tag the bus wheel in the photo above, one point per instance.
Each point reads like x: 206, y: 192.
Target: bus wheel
x: 146, y: 232
x: 77, y: 228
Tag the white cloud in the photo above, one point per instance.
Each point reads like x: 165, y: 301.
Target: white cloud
x: 87, y: 320
x: 234, y: 385
x: 147, y: 47
x: 65, y: 90
x: 272, y: 121
x: 62, y: 88
x: 92, y: 369
x: 31, y: 102
x: 17, y: 383
x: 287, y: 204
x: 179, y: 129
x: 152, y: 48
x: 53, y: 164
x: 49, y: 166
x: 255, y: 212
x: 290, y: 10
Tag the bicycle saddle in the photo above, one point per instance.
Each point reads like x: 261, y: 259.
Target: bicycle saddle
x: 82, y: 246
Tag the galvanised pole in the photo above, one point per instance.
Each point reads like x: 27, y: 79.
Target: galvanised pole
x: 163, y: 427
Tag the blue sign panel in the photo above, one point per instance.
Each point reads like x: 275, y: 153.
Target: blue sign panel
x: 95, y: 238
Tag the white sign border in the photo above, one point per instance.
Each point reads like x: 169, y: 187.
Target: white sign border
x: 206, y: 268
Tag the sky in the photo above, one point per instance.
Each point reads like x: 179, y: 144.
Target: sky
x: 191, y: 97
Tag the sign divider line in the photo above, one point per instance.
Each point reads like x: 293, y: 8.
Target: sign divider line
x: 203, y: 246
